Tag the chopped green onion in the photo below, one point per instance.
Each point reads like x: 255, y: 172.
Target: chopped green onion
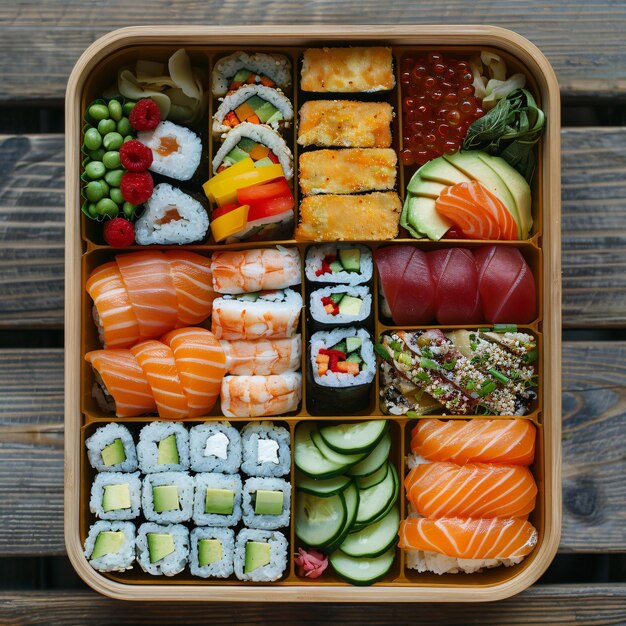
x: 530, y: 357
x: 411, y: 414
x: 471, y: 385
x: 501, y: 377
x: 486, y: 388
x: 473, y: 345
x: 427, y: 352
x: 423, y: 376
x: 380, y: 349
x: 505, y: 328
x: 428, y: 364
x: 483, y: 409
x: 396, y: 345
x: 475, y: 360
x: 438, y: 392
x: 483, y: 330
x: 449, y: 365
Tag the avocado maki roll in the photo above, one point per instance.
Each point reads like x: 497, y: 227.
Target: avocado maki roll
x: 167, y: 497
x: 339, y: 264
x: 266, y: 503
x: 212, y: 552
x: 266, y: 450
x: 110, y: 546
x: 112, y: 449
x: 217, y: 500
x: 115, y: 496
x: 342, y: 305
x: 215, y: 447
x: 163, y: 447
x: 162, y: 550
x: 260, y: 555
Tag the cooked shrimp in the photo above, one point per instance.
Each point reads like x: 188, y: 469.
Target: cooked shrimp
x: 263, y: 357
x: 257, y: 396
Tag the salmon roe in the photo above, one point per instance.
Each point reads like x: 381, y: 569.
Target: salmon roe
x: 438, y: 104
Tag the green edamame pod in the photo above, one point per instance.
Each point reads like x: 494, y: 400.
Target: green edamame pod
x: 107, y: 207
x: 114, y: 177
x: 99, y: 111
x: 128, y: 107
x: 111, y: 159
x: 115, y: 109
x: 95, y: 170
x: 123, y: 127
x: 106, y: 126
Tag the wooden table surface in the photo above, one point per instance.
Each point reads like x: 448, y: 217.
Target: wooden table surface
x: 39, y: 43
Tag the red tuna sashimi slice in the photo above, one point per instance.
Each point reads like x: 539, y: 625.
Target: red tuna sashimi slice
x: 506, y: 284
x: 457, y: 300
x: 391, y: 263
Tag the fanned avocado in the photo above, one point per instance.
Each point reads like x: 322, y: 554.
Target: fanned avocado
x: 440, y: 171
x: 423, y: 218
x: 424, y: 187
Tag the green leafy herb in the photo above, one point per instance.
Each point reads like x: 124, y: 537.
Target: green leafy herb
x: 449, y: 365
x: 530, y: 357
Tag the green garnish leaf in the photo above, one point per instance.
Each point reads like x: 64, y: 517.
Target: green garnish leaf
x: 530, y: 357
x: 428, y: 364
x: 381, y: 351
x: 486, y: 388
x: 449, y: 365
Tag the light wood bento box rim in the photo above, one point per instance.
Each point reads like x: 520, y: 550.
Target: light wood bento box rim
x: 436, y: 35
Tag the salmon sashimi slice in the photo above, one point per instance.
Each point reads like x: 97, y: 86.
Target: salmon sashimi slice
x: 473, y: 490
x: 201, y: 365
x: 191, y: 275
x: 151, y: 291
x: 118, y: 372
x: 263, y: 357
x: 257, y: 396
x: 509, y: 441
x: 157, y: 361
x: 476, y: 211
x: 113, y: 313
x: 469, y: 538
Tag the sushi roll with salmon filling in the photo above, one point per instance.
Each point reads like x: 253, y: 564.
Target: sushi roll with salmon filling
x: 162, y: 550
x: 340, y: 306
x: 110, y: 546
x: 212, y: 551
x: 339, y: 263
x: 163, y: 447
x: 215, y: 447
x: 112, y: 449
x: 340, y: 370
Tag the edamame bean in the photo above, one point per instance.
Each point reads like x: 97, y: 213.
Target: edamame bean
x: 128, y: 138
x: 94, y: 191
x: 93, y: 139
x: 111, y: 159
x: 124, y: 127
x: 106, y: 206
x: 128, y: 107
x: 106, y: 126
x: 112, y: 141
x: 96, y: 155
x: 115, y: 109
x: 95, y: 170
x: 114, y: 177
x: 116, y: 195
x: 92, y: 210
x: 129, y: 210
x: 105, y: 188
x: 99, y: 111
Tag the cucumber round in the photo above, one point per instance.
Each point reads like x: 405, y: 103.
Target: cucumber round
x: 307, y: 457
x: 374, y: 460
x: 319, y: 521
x: 324, y: 487
x: 331, y: 455
x: 374, y: 539
x: 364, y: 570
x: 373, y: 479
x: 354, y: 438
x: 351, y: 498
x: 375, y: 502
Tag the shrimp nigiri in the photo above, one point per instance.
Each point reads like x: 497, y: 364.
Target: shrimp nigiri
x: 257, y: 396
x: 263, y: 357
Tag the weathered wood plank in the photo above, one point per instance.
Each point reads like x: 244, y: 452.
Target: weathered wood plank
x: 41, y: 41
x: 594, y: 432
x: 585, y: 605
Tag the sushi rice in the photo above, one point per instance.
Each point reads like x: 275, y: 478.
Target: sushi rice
x: 171, y: 564
x: 185, y: 486
x: 121, y: 560
x: 215, y: 447
x: 106, y: 435
x: 104, y: 479
x: 224, y: 567
x: 428, y: 561
x: 320, y: 315
x: 265, y: 522
x: 266, y: 450
x: 315, y: 255
x: 147, y: 448
x: 232, y: 482
x: 278, y: 555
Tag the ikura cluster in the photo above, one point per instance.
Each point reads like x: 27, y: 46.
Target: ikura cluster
x: 438, y: 104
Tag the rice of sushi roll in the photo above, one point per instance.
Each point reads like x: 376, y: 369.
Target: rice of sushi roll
x: 217, y: 500
x: 266, y: 503
x: 110, y: 546
x: 339, y: 263
x: 167, y: 498
x: 212, y: 552
x: 163, y: 447
x: 171, y: 217
x: 115, y: 496
x: 340, y: 371
x: 176, y: 150
x: 339, y: 306
x: 162, y: 550
x: 266, y: 450
x: 260, y: 555
x: 215, y: 447
x: 112, y: 449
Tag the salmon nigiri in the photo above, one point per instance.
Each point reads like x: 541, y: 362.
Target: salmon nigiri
x: 510, y: 441
x: 476, y: 211
x: 473, y: 490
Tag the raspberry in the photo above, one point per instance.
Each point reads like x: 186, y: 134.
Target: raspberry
x: 136, y: 187
x: 145, y: 115
x: 135, y: 157
x: 119, y: 232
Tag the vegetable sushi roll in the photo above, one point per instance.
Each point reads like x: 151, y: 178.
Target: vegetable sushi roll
x: 266, y: 503
x: 259, y: 315
x: 240, y: 68
x: 339, y: 263
x: 171, y: 217
x: 162, y: 550
x: 167, y: 497
x: 217, y: 500
x: 340, y: 306
x: 263, y: 357
x: 163, y: 447
x: 110, y: 546
x: 115, y: 496
x: 257, y: 141
x: 112, y: 449
x: 259, y: 396
x: 215, y: 447
x: 176, y: 150
x: 258, y: 269
x: 260, y: 555
x: 212, y: 552
x: 266, y: 449
x: 340, y: 371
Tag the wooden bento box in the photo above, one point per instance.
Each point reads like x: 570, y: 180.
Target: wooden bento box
x: 85, y: 250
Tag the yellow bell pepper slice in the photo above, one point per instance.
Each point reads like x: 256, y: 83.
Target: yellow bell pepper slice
x: 230, y: 223
x: 245, y: 165
x: 226, y: 192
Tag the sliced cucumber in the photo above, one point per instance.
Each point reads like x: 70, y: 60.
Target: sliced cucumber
x: 309, y: 459
x: 362, y: 571
x: 354, y: 438
x: 375, y: 460
x: 319, y: 521
x: 374, y: 539
x: 351, y: 498
x: 373, y: 479
x: 375, y: 502
x: 331, y: 455
x: 324, y: 487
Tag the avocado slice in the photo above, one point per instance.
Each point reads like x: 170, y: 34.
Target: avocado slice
x: 337, y: 297
x: 237, y: 154
x: 257, y: 555
x: 220, y: 501
x: 353, y: 343
x: 268, y: 502
x: 350, y: 258
x: 354, y: 358
x: 165, y: 498
x: 263, y: 162
x: 241, y: 76
x: 275, y: 118
x: 116, y: 497
x: 341, y: 347
x: 107, y: 542
x: 246, y: 144
x: 159, y: 546
x: 255, y: 102
x: 440, y: 171
x: 350, y: 306
x: 336, y: 267
x: 168, y: 451
x: 209, y: 551
x: 113, y: 453
x: 265, y: 111
x: 422, y: 215
x: 424, y: 187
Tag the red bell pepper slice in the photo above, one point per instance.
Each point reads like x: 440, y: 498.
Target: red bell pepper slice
x: 274, y: 189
